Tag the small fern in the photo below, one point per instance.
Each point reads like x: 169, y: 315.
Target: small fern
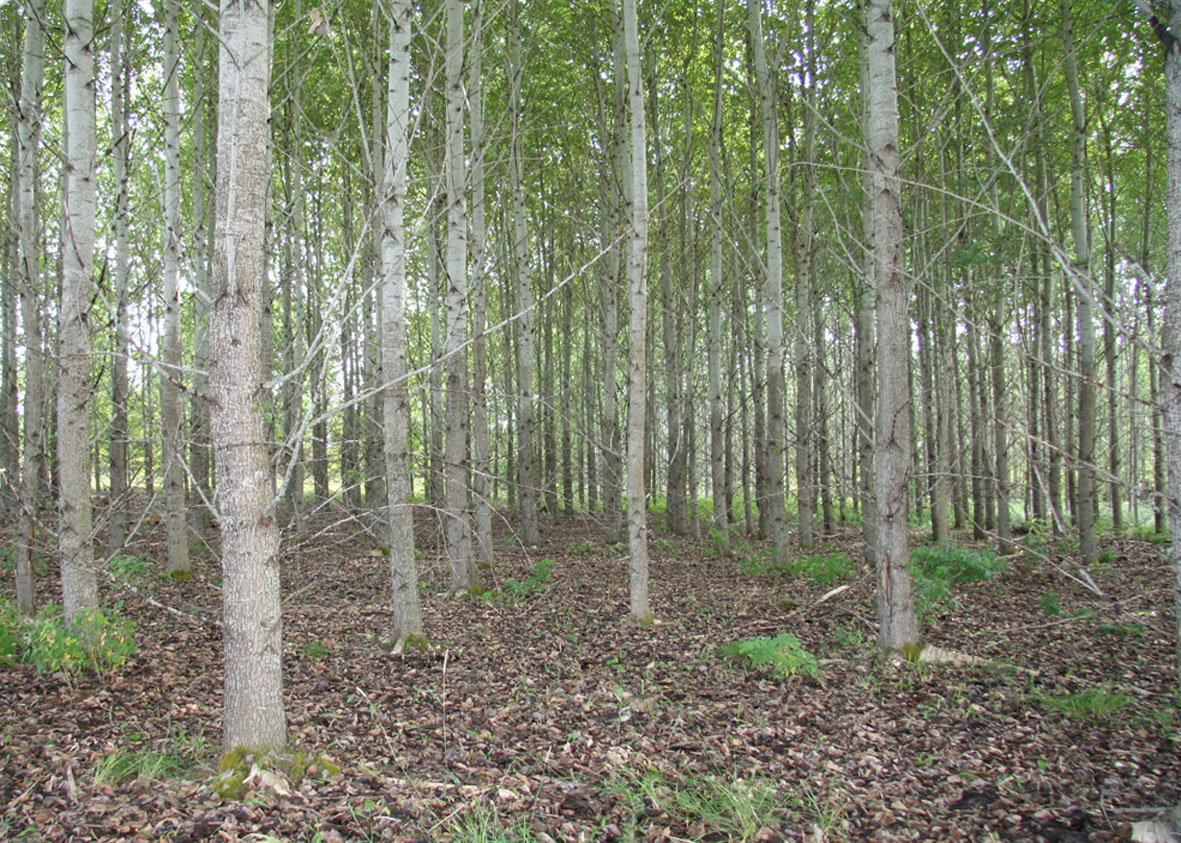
x: 784, y: 654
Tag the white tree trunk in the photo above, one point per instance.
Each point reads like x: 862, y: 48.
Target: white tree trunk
x: 79, y: 582
x: 455, y: 487
x: 33, y: 404
x: 637, y: 295
x: 805, y: 448
x: 254, y: 715
x: 481, y: 476
x: 776, y: 432
x: 1171, y: 360
x: 526, y: 437
x: 170, y: 374
x: 396, y: 396
x: 898, y: 626
x: 717, y: 296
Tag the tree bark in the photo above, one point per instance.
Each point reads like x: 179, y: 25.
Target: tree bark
x: 254, y: 715
x: 1081, y: 272
x: 637, y: 295
x: 29, y: 272
x: 1171, y: 359
x: 76, y: 553
x: 455, y: 457
x: 526, y: 435
x: 396, y: 395
x: 898, y: 626
x: 481, y: 467
x: 776, y: 429
x: 717, y: 297
x: 170, y: 370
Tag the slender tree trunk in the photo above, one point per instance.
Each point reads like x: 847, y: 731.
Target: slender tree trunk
x: 170, y: 370
x: 396, y: 395
x: 1170, y: 370
x: 613, y: 524
x: 805, y: 448
x: 481, y: 468
x: 254, y: 715
x: 79, y: 581
x: 33, y: 407
x: 1083, y: 285
x: 773, y: 294
x: 455, y: 470
x: 1114, y: 462
x: 892, y: 450
x: 526, y: 435
x: 199, y: 445
x: 717, y: 294
x: 637, y: 295
x: 120, y: 159
x: 865, y: 342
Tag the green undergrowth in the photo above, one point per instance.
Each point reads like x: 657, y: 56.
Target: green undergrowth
x: 936, y: 568
x: 98, y: 640
x: 514, y: 591
x: 1091, y: 704
x: 482, y: 823
x: 821, y: 569
x: 783, y: 654
x: 714, y: 807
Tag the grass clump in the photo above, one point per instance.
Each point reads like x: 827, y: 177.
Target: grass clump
x: 709, y: 807
x: 784, y: 654
x: 483, y: 824
x: 148, y: 765
x: 1093, y: 703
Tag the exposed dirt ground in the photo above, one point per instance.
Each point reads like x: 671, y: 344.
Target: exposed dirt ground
x: 551, y: 717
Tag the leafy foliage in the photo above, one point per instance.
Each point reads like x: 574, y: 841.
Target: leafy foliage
x: 514, y: 592
x: 93, y: 640
x: 936, y: 568
x: 822, y: 570
x: 784, y: 654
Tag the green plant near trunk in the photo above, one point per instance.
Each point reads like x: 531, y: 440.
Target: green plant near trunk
x: 784, y: 654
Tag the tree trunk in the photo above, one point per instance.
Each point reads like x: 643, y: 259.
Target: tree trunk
x: 481, y: 467
x: 1081, y: 272
x: 776, y: 431
x: 526, y: 435
x: 170, y: 369
x: 76, y: 552
x: 254, y: 715
x: 1170, y: 370
x: 396, y: 395
x: 805, y: 448
x: 717, y: 295
x: 637, y: 295
x: 898, y: 626
x: 200, y: 455
x: 120, y: 158
x: 29, y: 270
x: 455, y: 458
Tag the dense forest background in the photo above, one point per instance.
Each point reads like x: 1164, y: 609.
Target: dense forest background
x: 1014, y: 316
x: 500, y: 302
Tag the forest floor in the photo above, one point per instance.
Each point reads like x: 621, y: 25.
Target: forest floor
x: 538, y: 713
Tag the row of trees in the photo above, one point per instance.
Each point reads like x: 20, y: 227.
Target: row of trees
x: 873, y: 265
